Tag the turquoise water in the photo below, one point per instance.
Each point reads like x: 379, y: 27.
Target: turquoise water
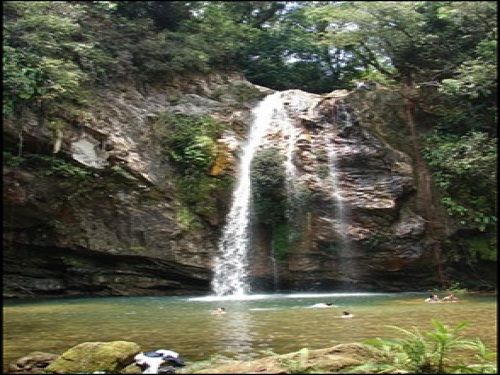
x: 280, y: 323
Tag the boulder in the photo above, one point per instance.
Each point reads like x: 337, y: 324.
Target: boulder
x: 33, y: 363
x: 95, y: 356
x: 131, y: 369
x: 329, y: 360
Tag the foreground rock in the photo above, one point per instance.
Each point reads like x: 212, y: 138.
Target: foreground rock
x: 110, y: 357
x: 329, y: 360
x: 33, y: 363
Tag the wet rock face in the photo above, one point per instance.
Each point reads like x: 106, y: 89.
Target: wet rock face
x: 362, y: 231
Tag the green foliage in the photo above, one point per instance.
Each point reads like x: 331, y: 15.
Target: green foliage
x: 166, y: 15
x: 63, y: 168
x: 323, y: 171
x: 429, y: 352
x: 375, y: 240
x: 187, y: 220
x: 242, y: 92
x: 201, y: 192
x: 189, y: 141
x: 456, y: 288
x: 269, y: 186
x: 484, y: 248
x: 137, y: 249
x: 38, y: 45
x: 12, y: 160
x: 50, y: 165
x: 190, y: 144
x: 118, y: 170
x: 465, y: 171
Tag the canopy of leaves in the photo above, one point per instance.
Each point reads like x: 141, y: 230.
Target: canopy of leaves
x: 465, y: 170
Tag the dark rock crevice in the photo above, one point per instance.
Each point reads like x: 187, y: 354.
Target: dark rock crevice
x: 38, y: 271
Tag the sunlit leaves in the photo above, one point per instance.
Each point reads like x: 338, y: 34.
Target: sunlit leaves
x: 465, y: 170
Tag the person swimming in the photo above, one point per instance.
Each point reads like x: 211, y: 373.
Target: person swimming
x: 433, y: 298
x: 322, y: 305
x: 347, y: 314
x: 450, y: 298
x: 219, y: 311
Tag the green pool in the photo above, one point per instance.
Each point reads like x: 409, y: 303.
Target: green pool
x: 278, y: 322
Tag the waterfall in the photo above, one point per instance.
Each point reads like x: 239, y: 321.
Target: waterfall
x: 231, y: 264
x: 344, y: 251
x: 275, y: 268
x: 339, y: 204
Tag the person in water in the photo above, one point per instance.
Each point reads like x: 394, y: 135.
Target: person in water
x: 346, y: 315
x: 433, y: 298
x: 450, y: 298
x: 322, y: 304
x: 219, y: 311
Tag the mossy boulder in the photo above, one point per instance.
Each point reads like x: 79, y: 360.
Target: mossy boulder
x: 95, y: 356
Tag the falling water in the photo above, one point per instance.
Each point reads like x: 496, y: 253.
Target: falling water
x: 276, y: 281
x: 288, y: 131
x: 231, y: 263
x: 343, y: 118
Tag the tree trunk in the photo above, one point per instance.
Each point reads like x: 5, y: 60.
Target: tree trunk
x: 425, y: 200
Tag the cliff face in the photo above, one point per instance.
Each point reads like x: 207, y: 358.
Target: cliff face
x: 361, y: 232
x: 121, y: 228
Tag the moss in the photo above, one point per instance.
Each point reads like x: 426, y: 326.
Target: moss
x: 120, y: 171
x: 239, y: 91
x: 174, y: 99
x: 137, y: 249
x: 187, y: 221
x: 72, y: 261
x: 323, y: 171
x: 95, y: 356
x: 284, y: 238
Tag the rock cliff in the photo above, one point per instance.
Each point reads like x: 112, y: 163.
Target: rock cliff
x: 103, y: 215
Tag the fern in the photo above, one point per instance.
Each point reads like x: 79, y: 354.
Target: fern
x: 428, y: 352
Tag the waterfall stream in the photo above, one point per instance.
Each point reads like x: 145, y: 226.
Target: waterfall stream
x: 339, y: 214
x: 348, y: 268
x: 271, y: 126
x: 231, y: 263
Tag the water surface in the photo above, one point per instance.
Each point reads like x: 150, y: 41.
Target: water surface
x: 253, y: 325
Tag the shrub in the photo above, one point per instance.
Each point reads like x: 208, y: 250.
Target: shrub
x: 190, y: 144
x: 429, y: 352
x: 189, y: 141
